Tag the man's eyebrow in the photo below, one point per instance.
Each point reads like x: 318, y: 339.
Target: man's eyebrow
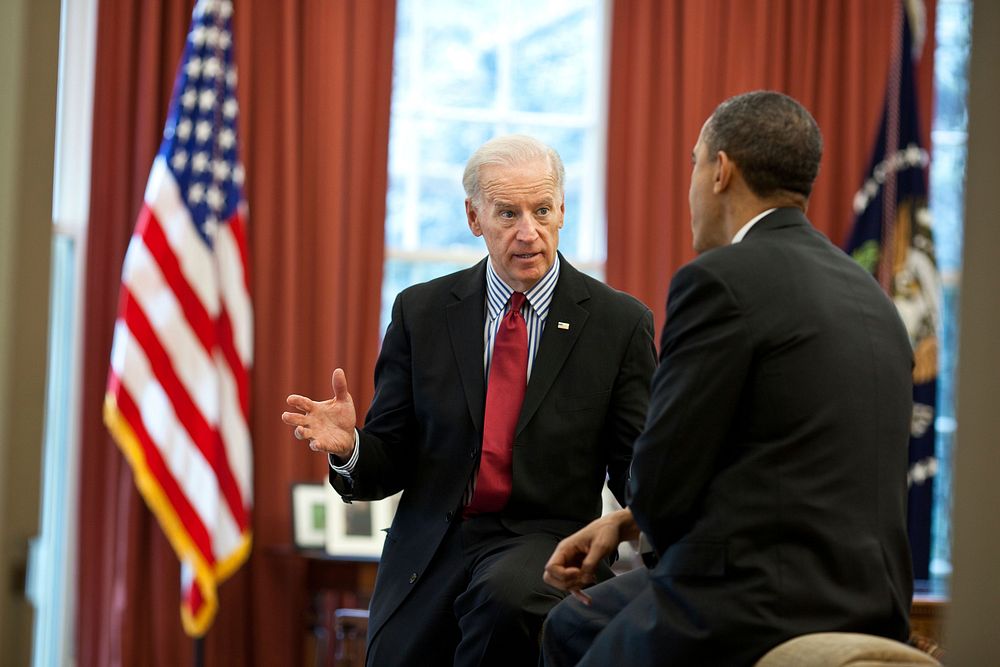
x: 545, y: 200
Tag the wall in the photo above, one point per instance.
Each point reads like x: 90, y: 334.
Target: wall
x: 972, y: 628
x: 29, y: 42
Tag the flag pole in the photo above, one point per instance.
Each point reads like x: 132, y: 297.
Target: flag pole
x: 199, y: 651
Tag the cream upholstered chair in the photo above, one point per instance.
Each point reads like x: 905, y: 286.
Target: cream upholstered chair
x: 844, y: 649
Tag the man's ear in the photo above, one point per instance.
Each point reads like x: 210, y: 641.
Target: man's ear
x: 472, y: 217
x: 724, y: 172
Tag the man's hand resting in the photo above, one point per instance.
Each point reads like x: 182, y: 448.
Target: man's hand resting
x: 327, y: 425
x: 574, y: 562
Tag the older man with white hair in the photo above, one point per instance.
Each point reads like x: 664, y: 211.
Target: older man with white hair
x: 505, y: 395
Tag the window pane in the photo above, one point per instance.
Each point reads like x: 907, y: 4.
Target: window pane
x: 458, y: 58
x: 448, y: 143
x: 547, y: 56
x: 947, y: 186
x: 442, y: 214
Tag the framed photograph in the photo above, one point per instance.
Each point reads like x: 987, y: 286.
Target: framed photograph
x: 357, y: 529
x: 310, y: 503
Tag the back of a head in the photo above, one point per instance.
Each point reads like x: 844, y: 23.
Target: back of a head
x: 512, y: 149
x: 772, y: 138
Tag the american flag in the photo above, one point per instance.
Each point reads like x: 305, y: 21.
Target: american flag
x: 177, y: 400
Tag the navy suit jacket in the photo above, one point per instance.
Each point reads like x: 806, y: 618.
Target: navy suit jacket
x: 585, y: 404
x: 771, y: 474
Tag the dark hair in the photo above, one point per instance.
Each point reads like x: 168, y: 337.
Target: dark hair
x: 772, y: 139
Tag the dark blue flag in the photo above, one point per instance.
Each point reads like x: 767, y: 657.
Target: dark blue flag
x: 892, y: 239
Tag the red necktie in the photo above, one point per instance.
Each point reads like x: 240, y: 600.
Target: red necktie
x: 504, y: 395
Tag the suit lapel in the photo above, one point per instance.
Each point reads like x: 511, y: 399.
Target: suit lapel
x: 466, y: 316
x: 563, y: 326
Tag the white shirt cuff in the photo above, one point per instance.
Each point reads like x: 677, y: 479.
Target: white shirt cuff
x: 346, y: 469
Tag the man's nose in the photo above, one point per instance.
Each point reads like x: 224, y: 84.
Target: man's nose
x: 527, y: 227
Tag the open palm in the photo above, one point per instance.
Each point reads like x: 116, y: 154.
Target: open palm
x: 327, y: 425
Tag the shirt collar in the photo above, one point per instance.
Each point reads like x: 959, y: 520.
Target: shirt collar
x: 753, y: 221
x: 539, y: 297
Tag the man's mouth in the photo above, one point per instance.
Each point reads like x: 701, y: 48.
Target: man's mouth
x: 526, y: 255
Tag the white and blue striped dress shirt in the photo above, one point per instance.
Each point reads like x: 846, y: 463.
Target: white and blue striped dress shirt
x: 535, y: 310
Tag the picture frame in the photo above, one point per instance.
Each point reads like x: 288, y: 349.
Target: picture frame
x: 356, y: 530
x: 310, y: 511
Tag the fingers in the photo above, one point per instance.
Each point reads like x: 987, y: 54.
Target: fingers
x: 564, y: 552
x: 598, y: 551
x: 295, y: 418
x: 562, y: 569
x: 563, y: 578
x: 339, y: 382
x: 570, y: 579
x: 300, y: 402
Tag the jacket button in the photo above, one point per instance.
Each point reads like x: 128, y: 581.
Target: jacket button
x: 413, y: 577
x: 472, y: 453
x: 448, y: 516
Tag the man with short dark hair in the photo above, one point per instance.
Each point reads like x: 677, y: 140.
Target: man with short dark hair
x: 505, y: 394
x: 770, y: 477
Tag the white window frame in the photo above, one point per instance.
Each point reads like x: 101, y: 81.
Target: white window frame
x: 52, y: 572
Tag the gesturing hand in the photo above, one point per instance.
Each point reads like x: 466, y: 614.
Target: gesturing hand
x: 574, y: 562
x: 327, y: 425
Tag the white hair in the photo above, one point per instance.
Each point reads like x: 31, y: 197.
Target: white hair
x: 509, y: 150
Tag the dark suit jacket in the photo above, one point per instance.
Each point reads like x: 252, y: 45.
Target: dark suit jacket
x: 585, y: 403
x: 771, y: 475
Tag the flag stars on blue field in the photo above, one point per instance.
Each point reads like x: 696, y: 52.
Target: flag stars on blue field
x: 199, y: 163
x: 211, y: 68
x: 201, y: 139
x: 206, y: 99
x: 179, y: 160
x: 227, y: 139
x: 220, y: 170
x: 203, y: 131
x: 189, y: 98
x: 196, y: 193
x: 215, y: 198
x: 211, y: 227
x: 183, y: 129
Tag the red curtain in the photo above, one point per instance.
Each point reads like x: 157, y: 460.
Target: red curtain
x: 673, y: 61
x: 315, y: 81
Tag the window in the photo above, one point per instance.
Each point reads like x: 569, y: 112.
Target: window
x: 947, y: 186
x: 466, y: 72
